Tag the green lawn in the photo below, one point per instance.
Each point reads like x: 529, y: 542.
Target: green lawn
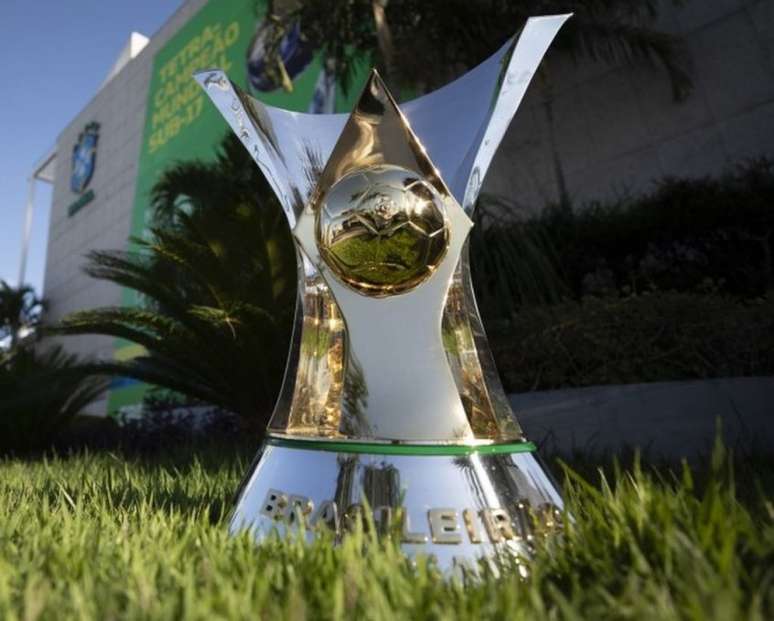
x: 105, y: 536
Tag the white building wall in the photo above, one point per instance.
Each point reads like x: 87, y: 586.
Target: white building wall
x: 105, y: 223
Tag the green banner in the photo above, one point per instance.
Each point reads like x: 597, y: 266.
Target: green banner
x: 181, y: 123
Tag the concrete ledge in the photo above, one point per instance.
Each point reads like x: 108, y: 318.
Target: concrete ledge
x: 667, y: 419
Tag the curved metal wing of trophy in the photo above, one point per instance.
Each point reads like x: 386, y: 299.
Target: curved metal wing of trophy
x: 291, y: 147
x: 330, y: 388
x: 462, y: 124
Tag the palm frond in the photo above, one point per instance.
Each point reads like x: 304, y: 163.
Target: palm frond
x: 40, y: 392
x: 217, y: 273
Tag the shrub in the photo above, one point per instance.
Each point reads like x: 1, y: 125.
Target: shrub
x: 642, y: 338
x: 40, y: 393
x: 165, y: 422
x: 513, y: 263
x: 685, y: 232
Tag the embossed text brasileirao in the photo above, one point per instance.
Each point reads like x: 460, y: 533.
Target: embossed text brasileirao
x: 520, y: 522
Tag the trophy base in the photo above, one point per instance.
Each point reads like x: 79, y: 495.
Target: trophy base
x: 456, y: 503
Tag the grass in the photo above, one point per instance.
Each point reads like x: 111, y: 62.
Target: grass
x: 104, y: 536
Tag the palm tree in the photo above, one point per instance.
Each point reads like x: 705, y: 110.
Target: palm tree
x: 423, y: 44
x: 218, y: 280
x: 41, y: 389
x: 20, y: 313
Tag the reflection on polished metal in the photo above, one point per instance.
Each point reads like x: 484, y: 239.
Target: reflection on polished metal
x: 382, y: 230
x: 456, y: 507
x: 391, y: 399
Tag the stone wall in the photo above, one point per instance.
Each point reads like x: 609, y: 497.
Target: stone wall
x: 667, y: 420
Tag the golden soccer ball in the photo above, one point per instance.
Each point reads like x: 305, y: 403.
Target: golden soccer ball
x: 382, y: 230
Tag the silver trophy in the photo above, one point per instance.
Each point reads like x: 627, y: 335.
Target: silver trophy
x: 391, y: 403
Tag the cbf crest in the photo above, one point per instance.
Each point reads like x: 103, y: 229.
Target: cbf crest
x: 84, y: 158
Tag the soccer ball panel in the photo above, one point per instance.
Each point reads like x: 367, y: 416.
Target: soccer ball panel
x: 383, y: 230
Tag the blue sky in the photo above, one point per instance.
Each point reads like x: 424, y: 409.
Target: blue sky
x: 54, y: 57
